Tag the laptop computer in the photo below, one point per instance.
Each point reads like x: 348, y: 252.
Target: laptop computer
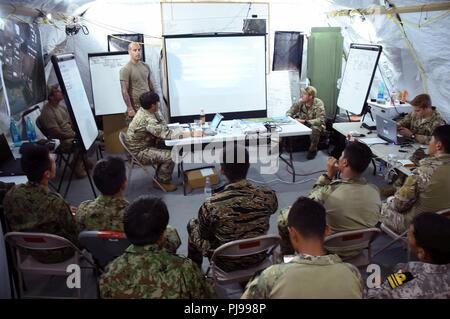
x: 212, y: 130
x: 387, y: 130
x: 9, y: 166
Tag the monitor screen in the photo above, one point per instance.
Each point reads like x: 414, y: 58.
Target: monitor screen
x: 216, y: 121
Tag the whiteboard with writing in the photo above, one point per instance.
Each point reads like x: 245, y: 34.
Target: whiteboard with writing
x: 105, y: 81
x: 69, y: 80
x: 359, y: 70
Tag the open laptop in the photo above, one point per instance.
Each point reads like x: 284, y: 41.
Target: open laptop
x: 387, y: 130
x: 212, y: 130
x: 9, y: 166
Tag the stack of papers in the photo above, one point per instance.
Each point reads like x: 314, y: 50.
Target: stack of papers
x: 372, y: 140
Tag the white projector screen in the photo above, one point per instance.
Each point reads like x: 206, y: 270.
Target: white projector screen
x: 105, y: 81
x: 225, y: 74
x: 359, y: 70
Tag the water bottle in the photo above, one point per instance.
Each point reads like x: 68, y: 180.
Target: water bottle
x: 202, y: 117
x: 31, y: 131
x: 381, y: 168
x: 208, y: 189
x: 15, y: 135
x: 380, y: 96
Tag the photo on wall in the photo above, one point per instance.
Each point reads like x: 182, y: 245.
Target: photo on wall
x: 22, y: 64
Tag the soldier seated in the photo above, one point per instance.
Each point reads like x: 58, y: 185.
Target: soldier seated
x: 33, y: 207
x: 426, y: 190
x: 350, y: 201
x: 106, y: 211
x: 312, y: 273
x: 145, y: 139
x: 310, y: 111
x: 428, y: 278
x: 240, y: 211
x: 146, y: 269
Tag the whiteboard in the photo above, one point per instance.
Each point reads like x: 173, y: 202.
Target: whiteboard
x: 76, y: 99
x: 359, y: 70
x: 105, y: 81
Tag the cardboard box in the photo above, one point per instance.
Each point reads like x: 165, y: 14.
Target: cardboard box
x: 196, y: 178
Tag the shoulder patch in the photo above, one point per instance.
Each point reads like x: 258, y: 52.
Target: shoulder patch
x: 397, y: 279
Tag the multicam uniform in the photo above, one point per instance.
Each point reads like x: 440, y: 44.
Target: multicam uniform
x: 145, y: 139
x: 106, y: 213
x: 424, y: 281
x: 350, y: 205
x: 422, y: 127
x: 32, y: 207
x: 426, y: 190
x: 240, y: 211
x: 308, y: 277
x: 315, y: 115
x: 151, y: 272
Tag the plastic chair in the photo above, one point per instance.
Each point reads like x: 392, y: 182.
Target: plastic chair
x: 104, y: 245
x: 134, y: 161
x: 240, y: 248
x: 25, y: 263
x: 352, y: 240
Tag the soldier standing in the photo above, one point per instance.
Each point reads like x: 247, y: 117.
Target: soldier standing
x: 145, y: 138
x: 310, y: 111
x: 106, y: 211
x: 428, y: 278
x: 146, y: 270
x: 311, y: 273
x: 240, y: 211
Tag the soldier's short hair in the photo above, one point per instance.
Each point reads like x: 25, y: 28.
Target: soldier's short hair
x: 308, y: 217
x: 145, y: 219
x: 235, y: 162
x: 358, y: 156
x: 109, y: 175
x: 422, y: 100
x: 310, y: 90
x: 442, y: 134
x: 35, y: 161
x: 51, y: 90
x: 133, y: 44
x: 147, y: 99
x: 432, y: 233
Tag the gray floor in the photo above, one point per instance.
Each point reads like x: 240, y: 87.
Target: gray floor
x: 182, y: 208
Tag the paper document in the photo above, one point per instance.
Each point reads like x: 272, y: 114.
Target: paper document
x: 372, y: 140
x: 206, y: 172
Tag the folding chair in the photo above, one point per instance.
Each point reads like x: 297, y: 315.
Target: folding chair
x: 25, y: 263
x: 353, y: 240
x: 104, y: 245
x: 240, y: 248
x: 134, y: 161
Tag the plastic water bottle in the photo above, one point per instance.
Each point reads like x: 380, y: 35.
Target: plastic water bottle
x: 15, y: 135
x: 31, y: 131
x: 208, y: 189
x: 380, y: 96
x: 381, y: 168
x: 202, y: 117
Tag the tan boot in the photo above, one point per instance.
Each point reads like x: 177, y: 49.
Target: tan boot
x: 166, y: 187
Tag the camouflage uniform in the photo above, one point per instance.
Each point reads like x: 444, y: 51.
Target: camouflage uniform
x: 350, y: 204
x: 315, y: 115
x: 422, y: 127
x: 240, y: 211
x: 106, y: 213
x: 145, y: 139
x: 32, y: 207
x: 426, y: 190
x: 429, y: 281
x: 307, y: 277
x: 151, y: 272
